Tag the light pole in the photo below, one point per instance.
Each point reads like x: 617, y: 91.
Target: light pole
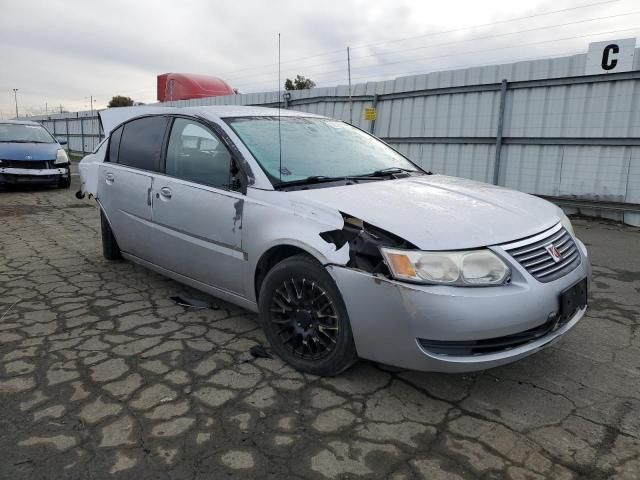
x: 350, y: 99
x: 92, y: 101
x: 15, y: 97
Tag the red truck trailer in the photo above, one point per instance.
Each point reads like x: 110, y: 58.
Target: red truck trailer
x: 184, y: 86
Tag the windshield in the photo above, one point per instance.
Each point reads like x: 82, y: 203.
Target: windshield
x: 314, y: 147
x: 17, y: 133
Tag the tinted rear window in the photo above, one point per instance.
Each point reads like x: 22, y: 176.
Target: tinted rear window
x: 141, y: 143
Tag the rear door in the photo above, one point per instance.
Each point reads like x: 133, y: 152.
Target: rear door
x: 125, y: 181
x: 197, y: 212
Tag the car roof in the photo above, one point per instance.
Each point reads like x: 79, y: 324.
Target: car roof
x: 226, y: 111
x: 18, y: 122
x: 112, y: 117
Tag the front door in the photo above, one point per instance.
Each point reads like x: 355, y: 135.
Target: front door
x: 197, y: 216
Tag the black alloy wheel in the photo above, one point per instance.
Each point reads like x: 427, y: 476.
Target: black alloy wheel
x: 306, y: 320
x: 304, y: 317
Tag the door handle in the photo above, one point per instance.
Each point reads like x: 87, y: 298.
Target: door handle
x: 109, y: 178
x: 165, y: 192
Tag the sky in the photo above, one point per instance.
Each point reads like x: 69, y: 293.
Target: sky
x: 59, y: 53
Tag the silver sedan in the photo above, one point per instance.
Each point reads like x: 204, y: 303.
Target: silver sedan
x: 346, y: 248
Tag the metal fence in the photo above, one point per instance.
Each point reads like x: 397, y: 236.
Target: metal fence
x: 541, y: 126
x: 81, y: 130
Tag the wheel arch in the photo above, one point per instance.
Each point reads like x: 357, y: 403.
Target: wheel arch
x: 275, y: 255
x: 106, y: 217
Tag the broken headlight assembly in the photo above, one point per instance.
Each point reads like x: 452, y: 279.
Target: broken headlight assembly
x: 61, y: 157
x: 468, y: 268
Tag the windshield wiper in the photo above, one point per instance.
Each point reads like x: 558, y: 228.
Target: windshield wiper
x: 309, y: 180
x: 391, y: 171
x: 377, y: 175
x: 21, y: 141
x: 325, y: 179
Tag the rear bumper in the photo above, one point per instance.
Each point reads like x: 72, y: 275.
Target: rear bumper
x: 28, y: 175
x: 389, y: 318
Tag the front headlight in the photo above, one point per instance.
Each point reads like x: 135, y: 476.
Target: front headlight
x: 463, y: 268
x: 61, y: 156
x: 566, y: 223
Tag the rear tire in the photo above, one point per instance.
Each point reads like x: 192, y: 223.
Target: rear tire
x: 305, y: 319
x: 110, y: 248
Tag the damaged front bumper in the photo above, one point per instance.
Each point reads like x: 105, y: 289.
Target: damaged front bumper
x: 30, y: 175
x: 398, y: 323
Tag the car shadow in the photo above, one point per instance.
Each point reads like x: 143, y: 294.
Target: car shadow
x: 25, y: 188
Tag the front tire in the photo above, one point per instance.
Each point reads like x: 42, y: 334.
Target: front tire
x: 110, y: 248
x: 65, y: 182
x: 305, y: 319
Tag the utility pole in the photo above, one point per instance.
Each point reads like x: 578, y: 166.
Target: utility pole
x: 350, y: 99
x: 15, y: 97
x: 46, y: 108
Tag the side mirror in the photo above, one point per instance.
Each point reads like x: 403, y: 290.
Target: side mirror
x: 61, y: 141
x: 236, y: 184
x: 238, y: 179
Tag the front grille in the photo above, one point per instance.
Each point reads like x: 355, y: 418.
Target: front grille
x: 28, y: 164
x: 491, y: 345
x: 535, y: 258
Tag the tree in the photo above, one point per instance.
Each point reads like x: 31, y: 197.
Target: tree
x: 300, y: 83
x: 120, y: 101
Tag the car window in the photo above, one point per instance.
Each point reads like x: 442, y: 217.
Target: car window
x: 195, y: 153
x: 141, y: 143
x: 24, y: 133
x: 293, y: 148
x: 114, y: 145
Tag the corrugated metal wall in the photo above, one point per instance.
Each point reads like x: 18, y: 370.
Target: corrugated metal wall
x: 564, y: 134
x: 80, y: 129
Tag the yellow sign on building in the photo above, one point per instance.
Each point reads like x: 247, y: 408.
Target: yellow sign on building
x: 370, y: 113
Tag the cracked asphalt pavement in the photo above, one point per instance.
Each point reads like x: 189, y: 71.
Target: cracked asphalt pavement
x: 102, y: 375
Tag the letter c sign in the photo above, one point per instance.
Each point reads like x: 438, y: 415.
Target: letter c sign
x: 610, y: 56
x: 608, y: 61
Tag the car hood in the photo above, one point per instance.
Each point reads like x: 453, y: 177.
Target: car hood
x: 438, y: 212
x: 21, y: 151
